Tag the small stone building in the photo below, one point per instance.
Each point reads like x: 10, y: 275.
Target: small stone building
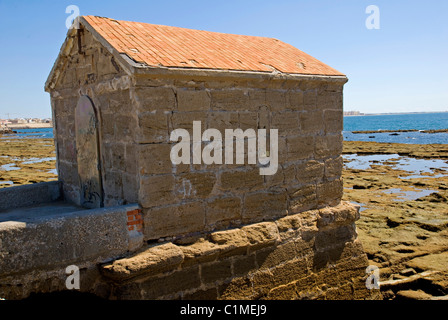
x: 146, y: 80
x: 118, y: 91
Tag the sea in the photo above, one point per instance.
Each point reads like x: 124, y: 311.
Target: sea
x: 408, y: 121
x: 411, y: 121
x: 30, y: 133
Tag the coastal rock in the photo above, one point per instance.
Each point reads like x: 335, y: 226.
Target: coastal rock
x: 413, y: 295
x: 403, y: 232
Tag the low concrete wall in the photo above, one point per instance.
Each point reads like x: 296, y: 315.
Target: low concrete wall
x: 34, y: 254
x: 30, y: 194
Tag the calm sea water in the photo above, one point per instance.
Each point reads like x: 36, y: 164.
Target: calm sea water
x: 424, y: 121
x: 31, y: 133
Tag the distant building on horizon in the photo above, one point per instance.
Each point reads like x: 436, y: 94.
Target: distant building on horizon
x: 353, y: 113
x: 4, y: 122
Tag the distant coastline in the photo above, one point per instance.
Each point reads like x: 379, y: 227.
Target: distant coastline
x: 19, y: 126
x: 390, y: 113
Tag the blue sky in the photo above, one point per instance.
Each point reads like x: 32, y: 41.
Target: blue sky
x: 398, y: 68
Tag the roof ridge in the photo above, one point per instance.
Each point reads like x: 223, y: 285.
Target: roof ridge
x: 156, y: 45
x: 185, y: 28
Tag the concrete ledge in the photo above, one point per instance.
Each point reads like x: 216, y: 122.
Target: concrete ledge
x: 96, y: 235
x: 30, y: 194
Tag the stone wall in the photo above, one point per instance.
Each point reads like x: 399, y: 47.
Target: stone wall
x: 37, y: 245
x: 180, y: 199
x: 311, y: 255
x: 91, y: 70
x: 315, y: 254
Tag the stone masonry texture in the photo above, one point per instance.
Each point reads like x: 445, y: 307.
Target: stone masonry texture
x: 310, y: 255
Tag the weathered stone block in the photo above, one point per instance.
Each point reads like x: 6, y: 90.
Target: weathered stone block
x: 264, y: 118
x: 155, y: 259
x: 221, y: 211
x: 154, y: 98
x: 230, y: 99
x: 312, y: 122
x: 248, y: 120
x: 131, y: 158
x: 333, y: 167
x: 156, y: 190
x: 281, y: 178
x: 171, y: 285
x: 289, y: 226
x: 302, y: 198
x: 295, y: 100
x: 262, y: 282
x: 327, y: 240
x: 244, y: 265
x: 310, y: 171
x: 117, y: 152
x: 232, y: 242
x: 154, y: 159
x: 274, y: 256
x: 153, y: 127
x: 328, y: 146
x: 107, y: 127
x: 195, y: 185
x: 257, y: 98
x: 192, y: 100
x: 289, y: 271
x: 310, y: 99
x: 216, y: 272
x: 264, y: 205
x: 113, y: 184
x: 53, y: 243
x: 249, y: 179
x: 283, y: 292
x: 299, y: 148
x: 287, y: 123
x: 223, y: 120
x: 261, y: 234
x: 276, y: 99
x: 333, y: 120
x: 200, y: 251
x: 118, y: 102
x: 184, y: 120
x: 330, y: 192
x: 130, y: 190
x: 174, y: 220
x: 237, y: 289
x: 343, y: 214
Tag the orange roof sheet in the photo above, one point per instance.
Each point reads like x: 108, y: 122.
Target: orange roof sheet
x: 157, y: 45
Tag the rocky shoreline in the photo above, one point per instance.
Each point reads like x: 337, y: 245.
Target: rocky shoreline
x: 420, y: 151
x: 6, y: 131
x: 404, y: 213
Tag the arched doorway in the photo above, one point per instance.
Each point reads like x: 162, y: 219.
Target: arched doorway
x: 88, y: 154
